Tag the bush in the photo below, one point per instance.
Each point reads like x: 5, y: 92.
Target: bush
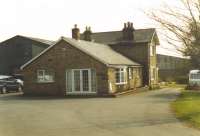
x: 193, y: 87
x: 154, y: 87
x: 181, y: 80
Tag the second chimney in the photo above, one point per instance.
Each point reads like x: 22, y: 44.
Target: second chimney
x: 87, y: 34
x: 75, y: 32
x: 128, y: 31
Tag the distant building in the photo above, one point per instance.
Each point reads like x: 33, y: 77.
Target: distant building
x: 171, y: 67
x: 18, y: 50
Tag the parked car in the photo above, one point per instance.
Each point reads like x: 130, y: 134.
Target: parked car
x: 10, y: 84
x: 19, y: 78
x: 4, y: 77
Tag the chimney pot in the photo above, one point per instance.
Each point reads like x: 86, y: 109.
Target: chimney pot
x: 124, y: 25
x: 129, y: 25
x: 128, y: 31
x: 132, y: 25
x: 87, y: 34
x: 75, y: 26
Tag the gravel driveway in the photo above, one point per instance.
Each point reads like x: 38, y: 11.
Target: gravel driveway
x: 144, y: 114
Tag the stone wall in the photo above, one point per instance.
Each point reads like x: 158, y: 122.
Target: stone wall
x: 60, y: 58
x: 133, y: 83
x: 138, y: 53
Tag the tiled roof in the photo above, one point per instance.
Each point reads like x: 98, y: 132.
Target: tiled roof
x: 102, y: 52
x: 140, y: 36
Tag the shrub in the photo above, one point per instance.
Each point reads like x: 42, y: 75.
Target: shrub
x: 181, y: 79
x: 192, y: 87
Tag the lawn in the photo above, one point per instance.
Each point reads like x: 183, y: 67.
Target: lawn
x: 187, y: 108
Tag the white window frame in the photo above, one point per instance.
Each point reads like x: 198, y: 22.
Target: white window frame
x: 122, y: 71
x: 153, y: 73
x: 194, y: 76
x: 43, y: 77
x: 130, y: 73
x: 81, y: 83
x: 151, y: 50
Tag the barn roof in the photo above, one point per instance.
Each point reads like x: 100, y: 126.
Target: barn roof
x: 44, y: 41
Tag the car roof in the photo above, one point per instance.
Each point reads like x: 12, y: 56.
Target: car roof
x: 194, y: 71
x: 4, y: 77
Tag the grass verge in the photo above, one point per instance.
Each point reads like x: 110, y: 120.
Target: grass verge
x: 187, y: 108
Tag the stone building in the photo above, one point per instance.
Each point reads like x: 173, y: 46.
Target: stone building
x: 79, y: 67
x: 99, y: 64
x: 136, y: 44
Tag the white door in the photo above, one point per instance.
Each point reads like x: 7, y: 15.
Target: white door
x: 76, y: 79
x: 86, y: 81
x: 81, y: 80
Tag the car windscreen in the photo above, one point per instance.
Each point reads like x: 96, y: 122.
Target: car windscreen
x: 195, y: 76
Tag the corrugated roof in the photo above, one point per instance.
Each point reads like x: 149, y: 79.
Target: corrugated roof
x: 140, y: 35
x: 40, y: 40
x: 102, y: 52
x: 47, y: 42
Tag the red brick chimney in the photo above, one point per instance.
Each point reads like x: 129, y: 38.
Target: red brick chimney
x: 87, y: 34
x: 128, y: 31
x: 75, y: 32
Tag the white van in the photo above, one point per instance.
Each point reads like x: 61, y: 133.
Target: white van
x: 194, y: 77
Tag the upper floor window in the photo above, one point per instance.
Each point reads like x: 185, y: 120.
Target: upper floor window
x: 121, y: 76
x: 45, y: 76
x: 152, y: 50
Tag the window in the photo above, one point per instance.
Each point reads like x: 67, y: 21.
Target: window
x: 45, y: 76
x: 151, y: 50
x: 81, y: 81
x: 140, y: 72
x: 121, y: 76
x: 130, y: 73
x: 195, y: 76
x: 93, y: 80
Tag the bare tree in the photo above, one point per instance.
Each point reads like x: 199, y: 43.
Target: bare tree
x: 182, y: 25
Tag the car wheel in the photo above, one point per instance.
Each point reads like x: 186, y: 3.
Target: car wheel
x: 20, y: 88
x: 4, y: 90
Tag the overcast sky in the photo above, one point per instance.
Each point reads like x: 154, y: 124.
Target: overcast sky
x: 50, y: 19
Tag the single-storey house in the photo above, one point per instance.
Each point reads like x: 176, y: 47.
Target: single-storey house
x: 80, y: 67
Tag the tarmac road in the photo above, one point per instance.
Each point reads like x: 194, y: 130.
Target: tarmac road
x: 143, y: 114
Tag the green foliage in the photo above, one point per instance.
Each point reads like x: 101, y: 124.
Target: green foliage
x: 187, y: 107
x: 181, y: 79
x: 193, y: 87
x: 182, y: 27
